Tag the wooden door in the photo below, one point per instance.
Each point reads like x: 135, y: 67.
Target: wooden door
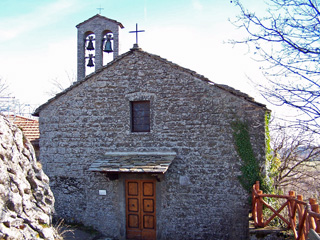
x: 141, y: 209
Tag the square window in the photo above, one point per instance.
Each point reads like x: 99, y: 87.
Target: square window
x: 140, y: 116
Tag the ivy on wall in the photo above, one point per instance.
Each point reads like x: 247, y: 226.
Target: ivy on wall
x: 272, y: 162
x: 250, y: 168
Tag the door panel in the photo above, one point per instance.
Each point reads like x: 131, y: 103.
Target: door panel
x: 141, y: 209
x: 133, y: 189
x: 133, y: 205
x: 148, y: 205
x: 148, y: 222
x: 133, y: 221
x: 147, y: 189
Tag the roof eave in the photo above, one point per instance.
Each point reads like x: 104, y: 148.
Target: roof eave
x: 193, y: 73
x: 98, y: 15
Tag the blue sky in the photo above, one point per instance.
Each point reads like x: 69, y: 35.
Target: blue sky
x: 38, y: 40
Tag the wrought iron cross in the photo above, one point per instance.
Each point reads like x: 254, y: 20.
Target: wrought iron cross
x: 100, y: 8
x: 136, y: 31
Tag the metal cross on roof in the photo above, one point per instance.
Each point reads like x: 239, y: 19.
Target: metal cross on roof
x: 100, y: 8
x: 136, y: 31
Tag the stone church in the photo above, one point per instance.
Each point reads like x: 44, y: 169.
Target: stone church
x: 143, y: 148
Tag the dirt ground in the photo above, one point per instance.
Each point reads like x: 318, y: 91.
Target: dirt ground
x: 79, y: 233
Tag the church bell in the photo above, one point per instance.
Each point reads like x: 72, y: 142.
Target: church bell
x: 90, y: 62
x: 107, y: 47
x: 90, y: 44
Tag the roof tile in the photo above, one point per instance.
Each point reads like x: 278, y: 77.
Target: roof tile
x: 30, y: 127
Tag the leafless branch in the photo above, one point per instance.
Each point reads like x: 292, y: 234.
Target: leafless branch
x: 286, y: 40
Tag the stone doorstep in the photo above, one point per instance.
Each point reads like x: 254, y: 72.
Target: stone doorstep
x: 313, y: 235
x: 282, y: 233
x: 275, y: 233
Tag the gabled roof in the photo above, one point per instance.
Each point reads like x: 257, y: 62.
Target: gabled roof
x: 30, y: 127
x: 156, y: 57
x: 99, y: 16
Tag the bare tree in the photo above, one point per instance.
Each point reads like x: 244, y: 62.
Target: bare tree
x: 4, y: 88
x: 10, y: 105
x: 58, y: 85
x: 299, y: 156
x: 287, y: 39
x: 7, y: 102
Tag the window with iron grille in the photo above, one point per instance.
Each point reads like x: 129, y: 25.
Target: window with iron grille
x: 140, y: 116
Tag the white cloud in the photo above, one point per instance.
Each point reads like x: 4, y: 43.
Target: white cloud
x: 197, y: 5
x: 41, y: 16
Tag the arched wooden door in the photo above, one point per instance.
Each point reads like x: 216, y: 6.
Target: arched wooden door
x: 141, y: 209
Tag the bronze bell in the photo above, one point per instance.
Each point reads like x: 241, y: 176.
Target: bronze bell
x: 90, y: 44
x: 107, y: 46
x: 90, y: 62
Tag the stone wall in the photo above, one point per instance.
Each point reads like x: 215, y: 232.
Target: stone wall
x: 200, y: 196
x: 26, y: 201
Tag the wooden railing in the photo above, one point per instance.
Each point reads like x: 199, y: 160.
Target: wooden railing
x: 300, y: 216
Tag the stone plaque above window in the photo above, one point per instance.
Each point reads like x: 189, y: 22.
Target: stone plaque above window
x: 140, y: 116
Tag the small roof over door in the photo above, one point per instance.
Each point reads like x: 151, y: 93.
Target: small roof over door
x: 134, y: 162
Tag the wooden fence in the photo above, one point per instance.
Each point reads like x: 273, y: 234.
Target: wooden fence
x: 300, y: 216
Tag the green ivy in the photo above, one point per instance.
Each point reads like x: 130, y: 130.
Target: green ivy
x: 272, y: 162
x: 250, y: 168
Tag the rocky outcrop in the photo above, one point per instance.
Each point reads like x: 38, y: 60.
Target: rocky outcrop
x: 26, y: 201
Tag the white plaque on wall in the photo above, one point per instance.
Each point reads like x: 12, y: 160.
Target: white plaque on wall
x: 102, y: 192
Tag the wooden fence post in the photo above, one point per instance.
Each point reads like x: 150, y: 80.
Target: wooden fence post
x: 254, y: 209
x: 257, y: 186
x: 314, y: 208
x: 255, y: 199
x: 300, y: 208
x: 260, y: 210
x: 303, y: 225
x: 293, y: 208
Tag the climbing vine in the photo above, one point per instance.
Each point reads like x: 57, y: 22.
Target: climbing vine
x: 272, y: 162
x: 250, y: 168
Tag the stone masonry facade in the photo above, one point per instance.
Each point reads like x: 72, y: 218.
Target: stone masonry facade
x: 199, y: 197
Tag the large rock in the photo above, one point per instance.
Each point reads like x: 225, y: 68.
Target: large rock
x: 26, y: 201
